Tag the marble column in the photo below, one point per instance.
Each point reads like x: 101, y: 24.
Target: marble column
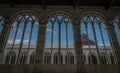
x: 78, y: 48
x: 114, y: 41
x: 40, y: 43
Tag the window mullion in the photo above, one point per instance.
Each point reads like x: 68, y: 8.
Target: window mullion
x: 52, y: 41
x: 96, y: 41
x: 29, y: 41
x: 59, y: 40
x: 67, y: 37
x: 86, y: 27
x: 103, y: 42
x: 21, y: 43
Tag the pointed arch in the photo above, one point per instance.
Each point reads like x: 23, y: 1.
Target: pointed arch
x: 95, y: 36
x: 23, y: 57
x: 58, y: 58
x: 23, y: 33
x: 59, y: 34
x: 92, y: 59
x: 24, y: 12
x: 10, y: 58
x: 57, y: 13
x: 32, y: 58
x: 47, y: 58
x: 96, y: 14
x: 69, y: 58
x: 103, y: 59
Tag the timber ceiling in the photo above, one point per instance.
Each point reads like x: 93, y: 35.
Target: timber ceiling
x: 106, y: 3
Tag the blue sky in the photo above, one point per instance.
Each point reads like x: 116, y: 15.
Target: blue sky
x: 26, y: 35
x: 56, y: 35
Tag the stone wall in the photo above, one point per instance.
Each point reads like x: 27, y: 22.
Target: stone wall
x: 57, y: 68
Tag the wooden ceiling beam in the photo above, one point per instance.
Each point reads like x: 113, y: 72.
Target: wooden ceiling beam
x: 44, y: 4
x: 11, y: 3
x: 108, y: 4
x: 76, y: 4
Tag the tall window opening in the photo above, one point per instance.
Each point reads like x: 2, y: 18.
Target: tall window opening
x: 10, y: 58
x: 103, y: 59
x: 92, y: 59
x: 95, y: 38
x: 47, y: 58
x: 23, y: 35
x: 69, y: 58
x: 1, y: 23
x: 32, y: 58
x: 56, y: 58
x: 116, y: 23
x: 112, y: 59
x: 23, y: 58
x: 59, y: 36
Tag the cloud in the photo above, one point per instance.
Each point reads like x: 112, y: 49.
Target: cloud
x: 17, y: 41
x: 100, y: 44
x: 26, y: 41
x: 10, y: 41
x: 19, y: 32
x: 50, y: 30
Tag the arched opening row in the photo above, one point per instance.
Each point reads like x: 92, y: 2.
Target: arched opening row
x: 68, y: 58
x: 11, y: 58
x: 23, y: 34
x: 93, y: 59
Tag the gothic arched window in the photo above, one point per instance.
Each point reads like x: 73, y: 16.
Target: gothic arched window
x: 59, y: 34
x: 32, y: 58
x: 1, y: 23
x: 103, y: 59
x: 116, y: 23
x: 92, y: 59
x: 23, y: 34
x: 47, y: 58
x: 23, y: 58
x: 112, y: 59
x: 7, y: 59
x: 94, y: 35
x: 69, y: 58
x: 10, y: 58
x: 58, y: 58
